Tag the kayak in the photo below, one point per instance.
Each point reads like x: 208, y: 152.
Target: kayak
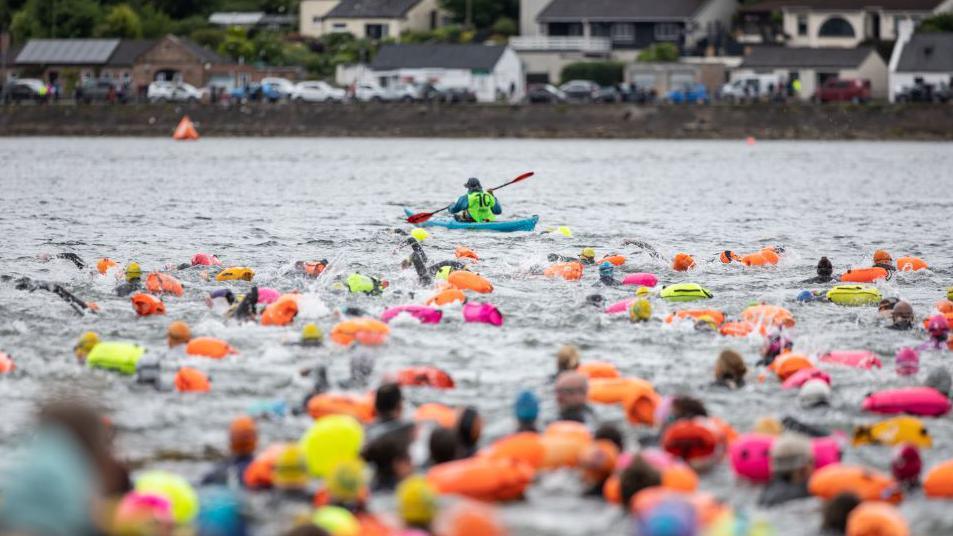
x: 527, y: 224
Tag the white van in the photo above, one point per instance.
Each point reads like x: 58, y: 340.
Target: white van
x: 751, y: 87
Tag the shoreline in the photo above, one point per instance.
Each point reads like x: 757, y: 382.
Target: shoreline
x: 767, y: 121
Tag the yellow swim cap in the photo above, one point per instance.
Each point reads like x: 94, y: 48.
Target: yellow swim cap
x: 291, y: 470
x: 416, y: 501
x: 85, y: 344
x: 346, y: 481
x: 642, y: 291
x: 311, y: 333
x: 337, y: 521
x: 444, y: 273
x: 133, y: 272
x: 949, y: 293
x: 588, y: 253
x: 565, y: 231
x: 640, y: 310
x: 419, y: 234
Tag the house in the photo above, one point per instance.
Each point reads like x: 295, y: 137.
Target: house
x: 922, y: 58
x: 832, y: 23
x: 251, y: 19
x: 134, y: 62
x: 664, y: 77
x: 490, y: 72
x: 369, y: 19
x: 554, y: 33
x: 813, y: 66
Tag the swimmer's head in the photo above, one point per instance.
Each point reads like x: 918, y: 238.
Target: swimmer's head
x: 133, y: 272
x: 85, y: 344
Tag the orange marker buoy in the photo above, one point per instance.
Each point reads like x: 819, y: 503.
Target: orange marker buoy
x: 190, y: 380
x: 470, y: 281
x: 867, y: 484
x: 598, y: 369
x: 367, y: 331
x: 282, y: 312
x: 361, y: 407
x: 209, y: 347
x: 185, y: 130
x: 147, y: 304
x: 525, y: 447
x: 466, y: 253
x: 482, y: 478
x: 6, y: 364
x: 104, y: 264
x: 683, y: 262
x: 570, y: 271
x: 911, y: 264
x: 447, y: 296
x: 163, y: 283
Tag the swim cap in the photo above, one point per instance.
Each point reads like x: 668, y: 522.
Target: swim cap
x: 881, y: 256
x: 290, y: 470
x: 814, y: 393
x: 906, y: 463
x: 527, y: 406
x: 791, y: 452
x: 805, y: 296
x: 642, y: 291
x: 337, y: 521
x: 902, y: 310
x: 588, y: 253
x: 416, y: 501
x: 85, y: 344
x: 178, y: 333
x: 420, y: 234
x: 683, y: 262
x: 311, y: 334
x: 133, y: 272
x: 937, y: 325
x: 907, y: 361
x: 346, y: 481
x: 640, y: 310
x: 727, y: 256
x: 671, y: 517
x: 565, y: 231
x: 939, y: 379
x: 605, y: 270
x: 242, y: 436
x: 190, y: 380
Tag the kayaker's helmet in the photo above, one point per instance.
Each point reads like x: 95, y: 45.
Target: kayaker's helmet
x: 473, y: 183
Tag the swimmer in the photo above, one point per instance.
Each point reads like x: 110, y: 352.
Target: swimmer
x: 364, y: 284
x: 825, y: 271
x: 792, y: 463
x: 527, y: 411
x: 775, y: 345
x: 730, y: 370
x: 469, y: 429
x: 571, y: 390
x: 476, y: 205
x: 882, y: 259
x: 418, y: 259
x: 567, y: 359
x: 444, y: 445
x: 72, y: 257
x: 644, y: 246
x: 133, y: 282
x: 587, y: 256
x: 310, y: 269
x: 901, y: 316
x: 606, y: 271
x: 242, y: 442
x: 30, y: 285
x: 246, y: 309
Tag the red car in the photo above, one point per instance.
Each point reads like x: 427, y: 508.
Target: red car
x: 838, y: 90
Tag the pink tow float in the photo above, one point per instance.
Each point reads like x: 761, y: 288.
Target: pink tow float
x: 751, y: 455
x: 924, y: 401
x: 799, y: 378
x: 267, y: 295
x: 852, y: 358
x: 426, y: 315
x: 482, y: 313
x: 619, y: 306
x: 640, y: 279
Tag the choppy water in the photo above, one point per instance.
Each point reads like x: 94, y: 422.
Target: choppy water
x: 265, y: 203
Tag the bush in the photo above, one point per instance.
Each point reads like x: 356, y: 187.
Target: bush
x: 659, y: 52
x: 505, y: 26
x: 604, y: 73
x: 120, y: 21
x: 937, y: 23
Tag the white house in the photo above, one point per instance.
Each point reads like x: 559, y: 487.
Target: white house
x: 813, y: 66
x: 490, y: 72
x: 371, y: 19
x: 925, y: 58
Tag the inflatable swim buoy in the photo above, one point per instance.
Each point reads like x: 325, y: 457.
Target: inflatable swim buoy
x: 755, y: 259
x: 614, y: 390
x: 831, y: 480
x: 736, y: 329
x: 209, y: 347
x: 699, y: 441
x: 641, y: 279
x: 258, y: 474
x: 826, y: 450
x: 282, y: 312
x: 598, y: 369
x: 470, y: 281
x: 447, y: 296
x: 524, y: 447
x: 938, y: 482
x: 117, y: 356
x: 864, y: 275
x: 854, y: 295
x: 570, y: 271
x: 236, y: 273
x: 787, y: 364
x: 750, y: 457
x: 876, y: 518
x: 366, y: 331
x: 163, y: 283
x: 147, y: 304
x: 768, y: 315
x: 802, y: 376
x: 267, y: 295
x: 104, y: 264
x: 706, y: 507
x: 6, y: 364
x: 204, y: 259
x: 770, y: 255
x: 852, y: 358
x: 713, y: 315
x: 190, y: 380
x: 892, y: 432
x: 482, y: 478
x: 424, y: 377
x: 563, y: 442
x: 911, y: 264
x: 621, y: 306
x: 361, y: 407
x: 683, y: 262
x: 925, y: 401
x: 465, y: 253
x: 331, y: 440
x: 426, y: 315
x: 615, y: 260
x: 444, y: 416
x: 684, y: 292
x: 482, y: 313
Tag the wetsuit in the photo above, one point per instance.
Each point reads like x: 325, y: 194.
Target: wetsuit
x: 25, y: 283
x: 780, y: 491
x: 819, y: 279
x: 419, y: 259
x: 229, y: 472
x: 128, y: 287
x: 247, y: 309
x: 644, y: 247
x: 886, y: 266
x: 73, y: 258
x: 582, y: 413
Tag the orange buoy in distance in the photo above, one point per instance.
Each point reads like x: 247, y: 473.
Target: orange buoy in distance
x: 185, y: 130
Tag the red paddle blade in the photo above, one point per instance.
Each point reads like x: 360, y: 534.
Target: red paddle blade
x: 419, y: 217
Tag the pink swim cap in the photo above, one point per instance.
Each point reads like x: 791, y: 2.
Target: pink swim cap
x: 907, y: 362
x: 938, y: 326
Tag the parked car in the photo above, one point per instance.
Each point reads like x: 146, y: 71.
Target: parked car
x: 580, y: 90
x: 284, y: 87
x: 162, y: 91
x: 102, y: 90
x: 401, y: 93
x: 369, y: 92
x: 255, y: 92
x: 544, y: 94
x: 843, y: 90
x: 317, y: 91
x: 608, y: 94
x: 636, y: 94
x: 24, y: 90
x: 922, y: 92
x: 689, y: 94
x: 454, y: 95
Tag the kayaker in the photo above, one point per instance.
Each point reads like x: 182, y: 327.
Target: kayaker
x: 476, y: 206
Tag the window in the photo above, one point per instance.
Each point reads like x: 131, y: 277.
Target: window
x: 802, y: 25
x: 339, y: 27
x: 623, y: 32
x: 316, y: 20
x: 433, y: 19
x: 562, y: 29
x: 836, y: 27
x: 600, y: 29
x: 667, y: 31
x: 375, y: 31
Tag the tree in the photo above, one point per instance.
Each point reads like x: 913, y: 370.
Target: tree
x: 604, y: 73
x: 155, y: 23
x: 269, y: 48
x: 121, y: 21
x: 505, y: 26
x: 59, y: 18
x: 659, y: 52
x: 208, y: 37
x: 483, y: 12
x: 237, y: 45
x: 937, y: 23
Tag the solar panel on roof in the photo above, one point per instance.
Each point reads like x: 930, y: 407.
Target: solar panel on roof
x: 67, y: 51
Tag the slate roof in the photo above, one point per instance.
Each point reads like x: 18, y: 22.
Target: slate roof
x: 204, y: 54
x: 129, y: 51
x: 437, y: 56
x: 67, y: 51
x: 793, y: 57
x: 851, y: 5
x: 570, y: 10
x: 929, y: 52
x: 371, y: 9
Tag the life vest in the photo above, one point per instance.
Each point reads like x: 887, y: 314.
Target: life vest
x: 480, y: 206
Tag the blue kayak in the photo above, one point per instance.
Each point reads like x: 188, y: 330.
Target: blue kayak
x: 509, y: 226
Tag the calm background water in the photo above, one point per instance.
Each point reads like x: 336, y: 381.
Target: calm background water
x: 265, y: 203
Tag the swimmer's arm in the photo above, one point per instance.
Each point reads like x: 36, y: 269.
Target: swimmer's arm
x: 72, y: 257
